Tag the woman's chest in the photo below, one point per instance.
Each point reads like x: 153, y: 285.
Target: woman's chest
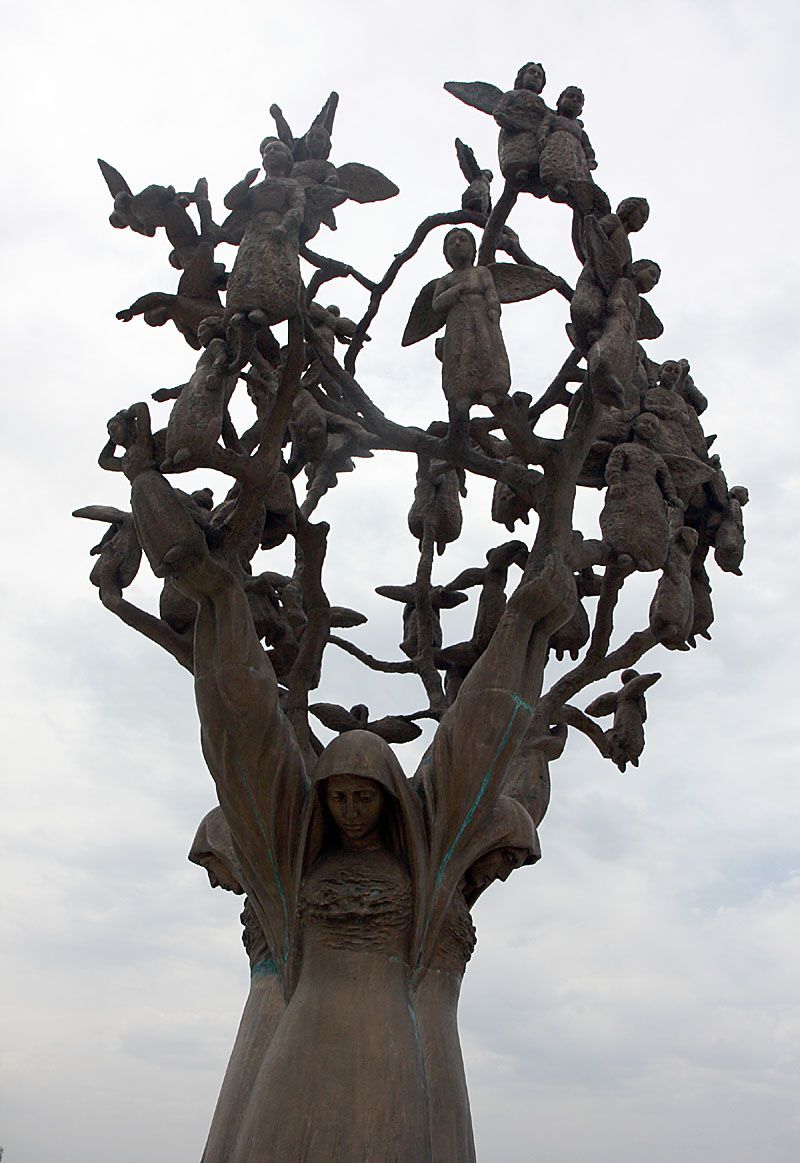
x: 356, y: 900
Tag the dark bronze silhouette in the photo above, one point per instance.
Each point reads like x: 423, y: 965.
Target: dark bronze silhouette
x: 359, y: 880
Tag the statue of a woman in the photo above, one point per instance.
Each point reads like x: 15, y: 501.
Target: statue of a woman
x: 212, y: 849
x: 350, y: 867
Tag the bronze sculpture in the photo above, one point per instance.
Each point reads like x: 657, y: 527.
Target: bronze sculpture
x: 360, y: 880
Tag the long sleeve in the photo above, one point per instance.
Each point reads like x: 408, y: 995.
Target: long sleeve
x: 251, y: 753
x: 463, y: 774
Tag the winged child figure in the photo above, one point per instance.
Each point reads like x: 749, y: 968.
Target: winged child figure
x: 466, y: 302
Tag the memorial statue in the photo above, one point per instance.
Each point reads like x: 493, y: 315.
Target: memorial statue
x: 360, y: 878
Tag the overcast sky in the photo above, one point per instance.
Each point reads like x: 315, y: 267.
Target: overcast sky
x: 636, y: 996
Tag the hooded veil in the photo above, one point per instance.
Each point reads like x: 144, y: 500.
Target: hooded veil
x: 213, y: 838
x: 367, y: 755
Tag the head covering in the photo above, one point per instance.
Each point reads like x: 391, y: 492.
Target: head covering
x: 364, y: 754
x: 213, y: 838
x: 367, y: 755
x: 510, y: 826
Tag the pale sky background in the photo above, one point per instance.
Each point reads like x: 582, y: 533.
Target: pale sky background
x: 636, y: 996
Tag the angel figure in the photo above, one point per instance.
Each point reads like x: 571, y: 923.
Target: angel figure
x: 567, y: 158
x: 478, y: 194
x: 635, y: 519
x: 625, y: 739
x: 440, y: 597
x: 329, y: 326
x: 466, y: 303
x: 437, y: 503
x: 153, y: 208
x: 520, y: 114
x: 118, y: 552
x: 508, y: 506
x: 119, y: 555
x: 702, y: 607
x: 198, y: 415
x: 602, y: 301
x: 680, y: 424
x: 392, y: 728
x: 197, y: 298
x: 458, y: 660
x: 345, y: 439
x: 573, y: 635
x: 680, y: 439
x: 264, y: 285
x: 630, y: 217
x: 131, y: 430
x: 672, y: 607
x: 313, y: 169
x: 609, y: 316
x: 492, y: 578
x: 729, y: 540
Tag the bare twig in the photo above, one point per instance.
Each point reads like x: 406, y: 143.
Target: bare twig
x: 405, y: 667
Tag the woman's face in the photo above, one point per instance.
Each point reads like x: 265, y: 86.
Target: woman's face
x: 496, y: 865
x: 356, y: 806
x: 220, y: 876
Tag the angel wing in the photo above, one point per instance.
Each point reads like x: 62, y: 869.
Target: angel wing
x: 649, y: 325
x: 478, y: 94
x: 447, y: 598
x: 342, y: 617
x: 396, y: 593
x: 113, y: 179
x: 466, y: 159
x: 472, y: 576
x: 200, y: 275
x: 686, y: 471
x: 423, y: 320
x: 365, y: 184
x: 634, y: 688
x: 233, y: 228
x: 604, y: 258
x: 515, y: 283
x: 603, y: 705
x: 334, y: 717
x: 102, y: 513
x: 282, y: 128
x: 395, y: 729
x: 327, y: 113
x: 321, y: 197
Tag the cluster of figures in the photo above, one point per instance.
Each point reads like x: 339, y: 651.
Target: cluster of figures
x: 360, y: 881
